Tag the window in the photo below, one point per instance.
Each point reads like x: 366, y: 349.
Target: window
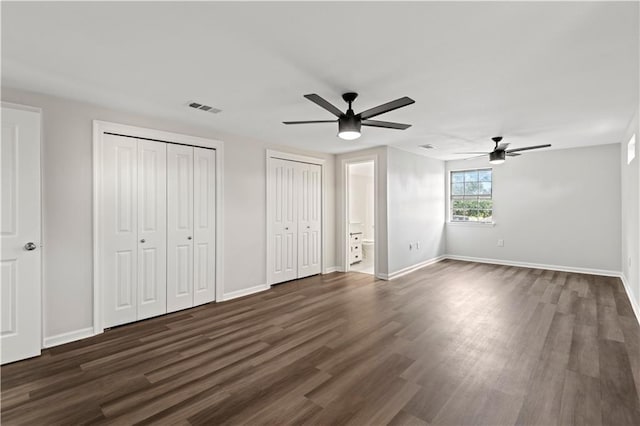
x: 471, y: 196
x: 631, y: 149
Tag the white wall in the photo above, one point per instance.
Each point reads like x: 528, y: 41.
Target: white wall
x: 559, y: 207
x: 416, y: 197
x: 67, y: 205
x: 630, y: 186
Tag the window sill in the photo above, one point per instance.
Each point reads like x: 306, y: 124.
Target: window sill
x: 472, y: 224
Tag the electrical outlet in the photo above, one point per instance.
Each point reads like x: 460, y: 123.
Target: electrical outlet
x: 500, y: 243
x: 410, y: 246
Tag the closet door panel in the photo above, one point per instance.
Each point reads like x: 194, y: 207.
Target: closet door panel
x: 152, y: 228
x: 204, y: 233
x: 119, y: 247
x: 179, y: 227
x: 310, y: 219
x: 284, y: 228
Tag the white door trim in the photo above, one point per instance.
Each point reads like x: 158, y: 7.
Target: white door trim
x: 99, y: 128
x: 37, y: 110
x: 271, y: 154
x: 344, y: 237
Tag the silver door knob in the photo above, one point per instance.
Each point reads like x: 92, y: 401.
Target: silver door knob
x: 30, y: 246
x: 143, y: 241
x: 189, y: 238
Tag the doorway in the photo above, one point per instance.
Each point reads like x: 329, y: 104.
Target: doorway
x: 295, y: 217
x: 360, y: 226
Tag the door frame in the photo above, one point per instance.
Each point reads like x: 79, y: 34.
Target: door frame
x: 280, y: 155
x: 344, y: 168
x: 99, y: 128
x: 37, y: 110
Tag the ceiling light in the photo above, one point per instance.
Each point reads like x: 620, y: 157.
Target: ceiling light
x: 348, y: 127
x: 497, y: 157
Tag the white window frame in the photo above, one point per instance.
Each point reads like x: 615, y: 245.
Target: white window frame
x: 449, y: 203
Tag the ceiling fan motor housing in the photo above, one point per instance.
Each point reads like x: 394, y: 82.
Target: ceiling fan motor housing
x: 497, y: 155
x: 349, y: 122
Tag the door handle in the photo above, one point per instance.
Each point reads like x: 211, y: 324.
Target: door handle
x: 189, y: 238
x: 143, y: 241
x: 308, y: 227
x: 286, y: 228
x: 30, y: 246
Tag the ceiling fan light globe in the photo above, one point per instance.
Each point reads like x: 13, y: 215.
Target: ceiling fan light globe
x: 497, y: 157
x: 348, y: 135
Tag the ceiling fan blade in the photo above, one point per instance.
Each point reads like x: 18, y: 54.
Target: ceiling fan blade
x: 526, y: 148
x: 389, y: 106
x: 512, y: 154
x: 502, y: 146
x: 385, y: 124
x: 324, y: 104
x: 309, y: 122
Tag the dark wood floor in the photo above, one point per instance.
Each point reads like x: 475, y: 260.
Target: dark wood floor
x: 452, y: 344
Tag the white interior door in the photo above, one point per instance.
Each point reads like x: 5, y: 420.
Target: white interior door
x: 284, y: 228
x: 119, y: 237
x: 309, y: 219
x: 179, y: 227
x: 204, y: 231
x: 152, y: 229
x: 20, y: 329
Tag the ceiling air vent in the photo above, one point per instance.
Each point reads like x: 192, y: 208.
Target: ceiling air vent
x: 202, y: 107
x: 427, y: 146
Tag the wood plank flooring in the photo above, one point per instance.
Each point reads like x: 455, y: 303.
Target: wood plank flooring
x: 454, y: 343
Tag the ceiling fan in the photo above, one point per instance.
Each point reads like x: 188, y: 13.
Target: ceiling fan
x: 349, y: 122
x: 500, y: 152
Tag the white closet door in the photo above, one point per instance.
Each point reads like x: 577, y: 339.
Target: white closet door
x: 20, y: 326
x: 152, y: 228
x: 204, y: 235
x: 120, y: 229
x: 283, y: 205
x: 309, y: 219
x: 179, y: 227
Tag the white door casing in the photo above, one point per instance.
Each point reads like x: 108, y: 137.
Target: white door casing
x: 102, y: 132
x: 152, y: 229
x: 204, y: 229
x: 120, y: 229
x: 284, y: 226
x: 179, y: 227
x: 20, y: 265
x: 343, y: 223
x: 309, y: 219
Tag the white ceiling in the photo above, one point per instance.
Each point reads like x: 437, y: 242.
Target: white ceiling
x: 560, y: 73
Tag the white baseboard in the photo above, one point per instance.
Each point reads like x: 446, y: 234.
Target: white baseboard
x: 634, y: 303
x: 244, y: 292
x: 589, y: 271
x: 71, y: 336
x: 330, y: 269
x: 409, y: 269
